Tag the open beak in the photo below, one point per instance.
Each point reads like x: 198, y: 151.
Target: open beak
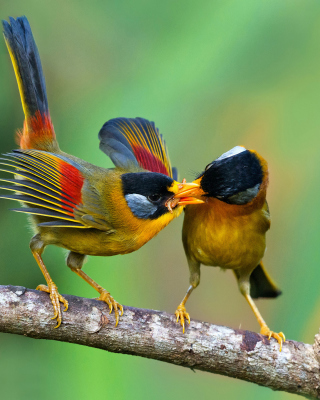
x: 189, y: 200
x: 188, y: 193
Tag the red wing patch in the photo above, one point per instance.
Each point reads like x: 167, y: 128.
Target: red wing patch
x: 144, y: 139
x: 147, y: 144
x: 50, y: 183
x: 149, y: 161
x: 71, y: 181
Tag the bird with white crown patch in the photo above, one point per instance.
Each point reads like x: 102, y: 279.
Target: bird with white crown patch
x: 229, y: 229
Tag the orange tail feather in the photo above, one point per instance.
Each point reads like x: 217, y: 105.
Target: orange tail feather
x: 38, y: 133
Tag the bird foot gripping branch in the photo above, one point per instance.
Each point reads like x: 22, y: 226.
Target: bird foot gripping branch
x: 280, y: 337
x: 95, y: 211
x: 76, y: 205
x: 228, y: 230
x: 107, y: 298
x: 182, y: 315
x: 56, y: 299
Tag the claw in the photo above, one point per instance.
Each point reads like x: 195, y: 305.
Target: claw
x: 113, y: 305
x: 181, y: 313
x: 56, y: 299
x: 280, y: 337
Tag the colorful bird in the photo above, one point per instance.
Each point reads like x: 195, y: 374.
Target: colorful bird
x: 74, y: 204
x: 229, y: 229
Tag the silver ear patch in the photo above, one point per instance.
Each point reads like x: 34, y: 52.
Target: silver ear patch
x: 140, y: 206
x: 231, y: 153
x: 244, y: 197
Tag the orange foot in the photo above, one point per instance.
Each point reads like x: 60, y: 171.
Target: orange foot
x: 56, y: 299
x: 107, y: 298
x: 278, y: 336
x: 181, y: 313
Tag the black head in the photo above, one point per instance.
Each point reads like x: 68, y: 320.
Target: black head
x: 146, y: 193
x: 235, y: 177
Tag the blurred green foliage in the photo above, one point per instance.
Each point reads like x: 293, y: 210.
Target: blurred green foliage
x: 212, y: 75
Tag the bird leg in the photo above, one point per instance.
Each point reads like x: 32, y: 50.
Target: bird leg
x: 37, y: 247
x: 280, y: 337
x: 244, y: 286
x: 181, y: 312
x: 104, y: 294
x: 75, y: 262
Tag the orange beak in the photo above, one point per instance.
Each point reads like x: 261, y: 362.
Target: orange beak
x: 189, y: 193
x: 184, y: 195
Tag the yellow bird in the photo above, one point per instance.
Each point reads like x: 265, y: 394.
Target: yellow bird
x: 229, y: 229
x: 76, y: 205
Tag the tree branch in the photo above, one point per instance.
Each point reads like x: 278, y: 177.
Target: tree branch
x: 153, y: 334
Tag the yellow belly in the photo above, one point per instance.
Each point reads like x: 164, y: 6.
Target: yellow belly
x: 128, y: 236
x: 215, y: 234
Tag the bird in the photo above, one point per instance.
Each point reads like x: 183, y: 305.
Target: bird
x: 72, y: 203
x: 229, y: 229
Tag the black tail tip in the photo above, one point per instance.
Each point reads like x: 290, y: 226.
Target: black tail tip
x: 267, y: 294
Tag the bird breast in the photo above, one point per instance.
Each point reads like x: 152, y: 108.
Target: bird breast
x: 215, y: 234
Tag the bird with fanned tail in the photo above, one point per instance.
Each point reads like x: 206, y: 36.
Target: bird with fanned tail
x: 76, y: 205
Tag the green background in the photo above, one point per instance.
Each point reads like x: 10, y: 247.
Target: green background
x: 212, y: 75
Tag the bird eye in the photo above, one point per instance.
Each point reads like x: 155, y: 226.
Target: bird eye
x: 154, y: 198
x: 208, y: 166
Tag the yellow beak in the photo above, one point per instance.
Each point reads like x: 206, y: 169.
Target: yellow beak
x: 189, y: 193
x: 182, y: 195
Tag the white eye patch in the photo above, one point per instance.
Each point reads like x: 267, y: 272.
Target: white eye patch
x: 232, y: 152
x: 140, y: 206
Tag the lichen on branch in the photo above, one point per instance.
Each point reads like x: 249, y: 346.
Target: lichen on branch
x: 153, y: 334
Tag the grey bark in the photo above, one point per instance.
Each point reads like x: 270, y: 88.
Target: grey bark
x: 153, y: 334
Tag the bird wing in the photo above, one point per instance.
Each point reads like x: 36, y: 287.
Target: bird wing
x: 51, y: 186
x: 136, y: 141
